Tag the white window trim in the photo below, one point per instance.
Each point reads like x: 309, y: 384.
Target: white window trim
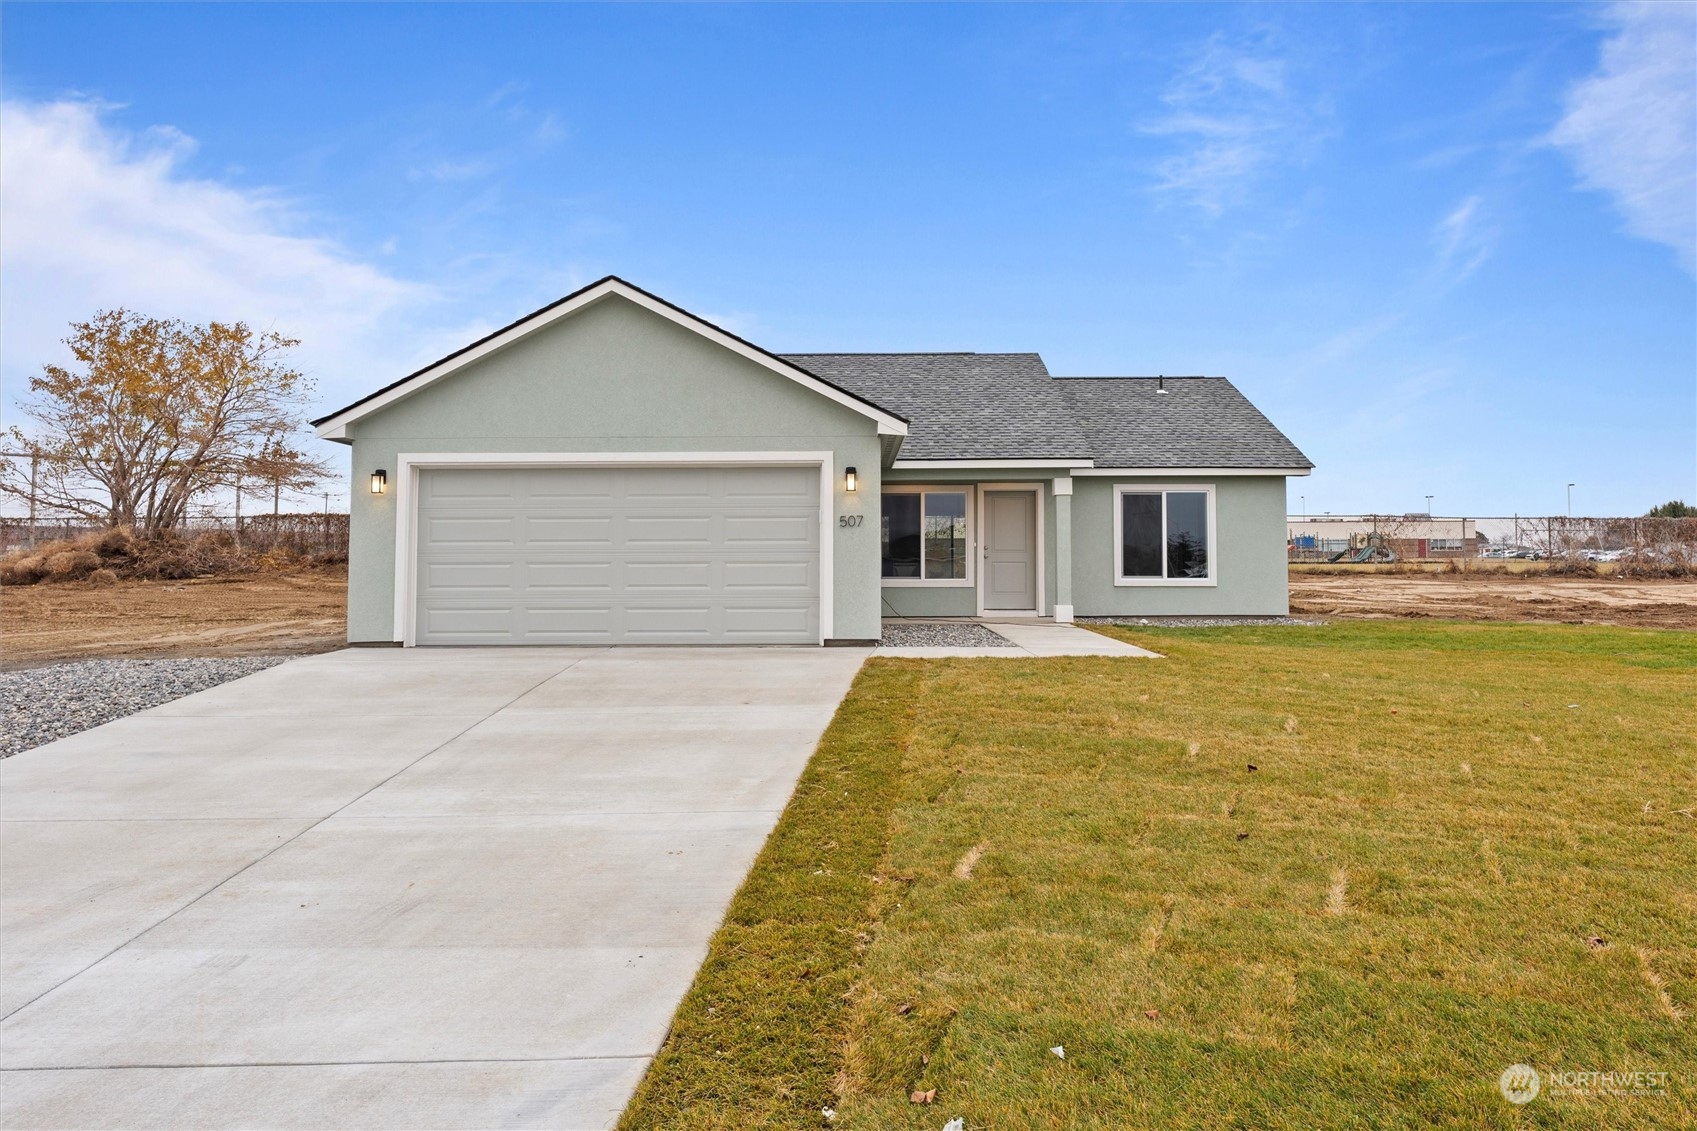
x: 409, y: 464
x: 1123, y: 489
x: 1042, y: 547
x: 971, y: 577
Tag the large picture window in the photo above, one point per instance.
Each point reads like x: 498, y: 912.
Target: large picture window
x: 1164, y: 535
x: 924, y: 535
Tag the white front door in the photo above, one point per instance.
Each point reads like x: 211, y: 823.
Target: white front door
x: 1010, y: 551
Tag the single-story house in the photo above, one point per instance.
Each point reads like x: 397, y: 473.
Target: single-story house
x: 612, y: 469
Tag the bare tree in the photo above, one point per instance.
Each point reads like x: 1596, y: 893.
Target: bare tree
x: 277, y: 465
x: 156, y: 412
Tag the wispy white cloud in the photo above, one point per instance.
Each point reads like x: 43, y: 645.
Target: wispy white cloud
x: 1232, y: 115
x: 1630, y: 128
x: 1465, y: 238
x: 511, y: 132
x: 445, y: 170
x: 92, y: 216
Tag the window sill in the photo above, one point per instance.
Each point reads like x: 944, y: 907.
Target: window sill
x: 1165, y: 582
x: 925, y: 582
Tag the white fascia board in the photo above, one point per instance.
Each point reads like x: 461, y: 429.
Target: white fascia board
x: 987, y: 464
x: 1147, y: 471
x: 335, y: 428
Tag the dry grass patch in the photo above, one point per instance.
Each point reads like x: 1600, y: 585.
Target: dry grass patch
x: 1355, y: 933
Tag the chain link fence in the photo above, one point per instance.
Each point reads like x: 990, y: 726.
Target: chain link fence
x: 1634, y: 545
x: 318, y: 535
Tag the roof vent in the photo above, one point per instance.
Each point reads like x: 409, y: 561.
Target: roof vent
x: 1161, y: 384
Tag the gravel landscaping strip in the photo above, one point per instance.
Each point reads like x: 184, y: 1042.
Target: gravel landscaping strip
x: 1201, y: 622
x: 42, y: 704
x: 934, y: 634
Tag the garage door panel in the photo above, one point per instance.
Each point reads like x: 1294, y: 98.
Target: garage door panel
x: 670, y: 529
x: 457, y: 577
x: 669, y: 621
x: 619, y: 555
x: 566, y: 531
x: 463, y: 531
x: 771, y: 530
x: 663, y: 486
x: 581, y: 579
x: 557, y: 622
x: 743, y: 621
x: 587, y: 485
x: 694, y: 576
x: 453, y: 622
x: 790, y: 578
x: 771, y: 485
x: 480, y: 484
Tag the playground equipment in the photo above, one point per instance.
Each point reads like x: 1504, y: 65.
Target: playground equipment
x: 1364, y: 548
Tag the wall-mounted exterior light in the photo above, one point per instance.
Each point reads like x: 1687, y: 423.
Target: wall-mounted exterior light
x: 379, y: 481
x: 851, y: 481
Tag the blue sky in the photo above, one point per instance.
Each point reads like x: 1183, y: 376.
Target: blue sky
x: 1448, y: 248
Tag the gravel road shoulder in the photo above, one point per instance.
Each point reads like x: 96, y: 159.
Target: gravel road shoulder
x: 46, y: 703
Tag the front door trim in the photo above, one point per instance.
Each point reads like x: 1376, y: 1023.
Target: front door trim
x: 1042, y: 546
x: 409, y: 464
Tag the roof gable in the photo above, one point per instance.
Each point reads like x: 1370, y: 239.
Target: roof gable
x: 334, y: 426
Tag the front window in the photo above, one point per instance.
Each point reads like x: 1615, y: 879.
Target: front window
x: 1164, y: 535
x: 924, y: 535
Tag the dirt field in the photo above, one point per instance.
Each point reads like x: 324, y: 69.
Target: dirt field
x: 284, y: 614
x: 272, y: 614
x: 1498, y: 596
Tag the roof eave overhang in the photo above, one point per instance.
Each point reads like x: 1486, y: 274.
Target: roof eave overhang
x: 1195, y: 471
x: 989, y: 464
x: 335, y: 426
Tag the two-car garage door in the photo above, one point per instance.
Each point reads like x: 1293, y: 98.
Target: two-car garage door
x: 618, y: 555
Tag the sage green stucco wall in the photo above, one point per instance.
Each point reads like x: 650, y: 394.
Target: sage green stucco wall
x: 1249, y: 556
x: 962, y: 601
x: 613, y: 378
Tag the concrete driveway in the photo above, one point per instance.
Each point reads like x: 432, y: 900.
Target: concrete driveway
x: 378, y: 888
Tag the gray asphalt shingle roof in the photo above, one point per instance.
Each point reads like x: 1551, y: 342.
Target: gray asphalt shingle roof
x: 961, y: 405
x: 1197, y: 422
x: 1008, y: 406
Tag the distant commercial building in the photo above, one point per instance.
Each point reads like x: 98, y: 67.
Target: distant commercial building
x: 1411, y: 537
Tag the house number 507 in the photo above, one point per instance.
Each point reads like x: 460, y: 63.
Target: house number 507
x: 850, y: 519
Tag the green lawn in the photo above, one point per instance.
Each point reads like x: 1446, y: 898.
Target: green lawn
x: 1284, y: 878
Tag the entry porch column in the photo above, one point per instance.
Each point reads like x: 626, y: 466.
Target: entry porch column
x: 1063, y: 550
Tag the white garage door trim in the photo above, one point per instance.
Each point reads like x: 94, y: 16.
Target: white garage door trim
x: 408, y: 466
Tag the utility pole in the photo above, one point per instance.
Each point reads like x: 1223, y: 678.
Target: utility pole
x: 1570, y: 500
x: 238, y: 510
x: 34, y: 466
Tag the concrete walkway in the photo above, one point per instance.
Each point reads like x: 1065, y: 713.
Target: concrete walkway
x: 379, y: 888
x: 1030, y: 637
